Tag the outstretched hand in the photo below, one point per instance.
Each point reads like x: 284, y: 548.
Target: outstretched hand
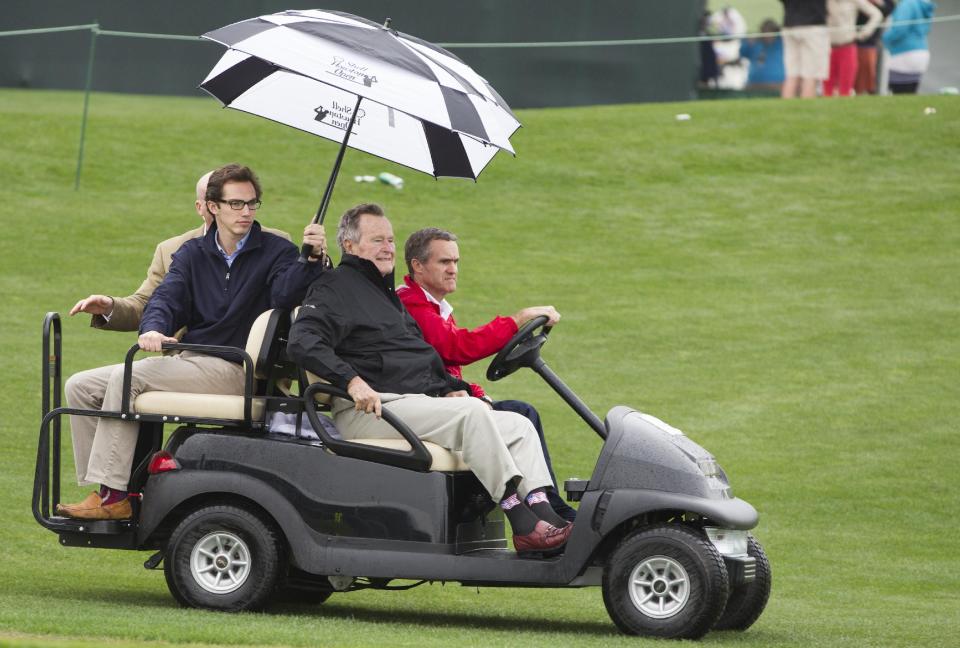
x: 533, y: 312
x: 365, y: 399
x: 95, y: 305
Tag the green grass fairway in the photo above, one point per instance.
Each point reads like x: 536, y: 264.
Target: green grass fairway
x: 781, y: 280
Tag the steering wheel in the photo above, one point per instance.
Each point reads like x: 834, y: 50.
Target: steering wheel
x: 523, y: 349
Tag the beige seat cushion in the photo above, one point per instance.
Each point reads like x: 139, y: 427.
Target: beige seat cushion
x: 443, y: 459
x: 216, y: 406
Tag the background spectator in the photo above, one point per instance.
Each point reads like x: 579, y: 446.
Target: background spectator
x: 806, y: 47
x: 907, y: 44
x: 727, y: 22
x: 866, y: 82
x: 844, y: 34
x: 709, y: 70
x: 765, y: 57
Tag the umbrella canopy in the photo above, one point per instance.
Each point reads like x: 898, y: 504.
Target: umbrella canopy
x: 353, y: 81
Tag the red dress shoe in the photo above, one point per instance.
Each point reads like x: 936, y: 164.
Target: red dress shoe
x: 92, y: 508
x: 545, y: 538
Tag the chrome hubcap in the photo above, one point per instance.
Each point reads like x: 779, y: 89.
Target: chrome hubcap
x: 659, y: 587
x: 220, y: 562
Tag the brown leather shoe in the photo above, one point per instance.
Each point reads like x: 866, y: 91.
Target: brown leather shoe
x: 90, y: 501
x: 93, y: 509
x: 545, y: 539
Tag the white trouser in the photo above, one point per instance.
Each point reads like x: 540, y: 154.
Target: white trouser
x: 498, y: 446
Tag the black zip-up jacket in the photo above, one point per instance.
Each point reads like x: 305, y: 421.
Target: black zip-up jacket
x: 353, y: 324
x: 804, y: 13
x: 217, y: 303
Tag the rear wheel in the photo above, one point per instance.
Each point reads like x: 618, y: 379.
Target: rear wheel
x: 747, y: 601
x: 665, y: 581
x: 223, y: 558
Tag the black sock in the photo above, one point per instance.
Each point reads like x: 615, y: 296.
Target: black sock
x: 522, y: 519
x: 540, y: 505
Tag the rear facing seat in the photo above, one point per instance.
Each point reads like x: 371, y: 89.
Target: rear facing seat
x: 220, y: 406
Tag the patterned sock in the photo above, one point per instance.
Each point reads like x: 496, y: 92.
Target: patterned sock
x: 112, y: 496
x: 522, y: 519
x: 540, y: 505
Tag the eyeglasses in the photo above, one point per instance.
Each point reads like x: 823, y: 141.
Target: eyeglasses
x: 237, y: 204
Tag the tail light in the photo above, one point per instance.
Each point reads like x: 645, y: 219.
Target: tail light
x: 162, y: 462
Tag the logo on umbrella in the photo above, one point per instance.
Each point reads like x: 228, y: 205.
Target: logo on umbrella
x: 339, y: 115
x: 349, y: 71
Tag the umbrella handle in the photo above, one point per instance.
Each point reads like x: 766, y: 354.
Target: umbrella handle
x: 305, y: 249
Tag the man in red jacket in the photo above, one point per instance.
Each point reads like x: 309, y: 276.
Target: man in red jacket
x: 432, y: 256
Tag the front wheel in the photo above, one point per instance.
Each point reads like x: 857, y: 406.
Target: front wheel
x: 223, y: 558
x: 665, y: 581
x: 747, y: 601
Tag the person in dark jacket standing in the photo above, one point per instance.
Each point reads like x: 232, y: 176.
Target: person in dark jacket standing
x: 866, y: 81
x: 354, y: 332
x: 806, y: 47
x: 433, y: 257
x: 217, y: 285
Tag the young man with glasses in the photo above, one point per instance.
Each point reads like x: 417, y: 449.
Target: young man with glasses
x: 123, y: 313
x: 216, y: 287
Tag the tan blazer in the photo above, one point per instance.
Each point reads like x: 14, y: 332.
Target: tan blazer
x: 842, y: 20
x: 127, y: 311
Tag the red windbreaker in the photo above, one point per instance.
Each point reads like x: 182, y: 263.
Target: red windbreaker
x: 457, y: 346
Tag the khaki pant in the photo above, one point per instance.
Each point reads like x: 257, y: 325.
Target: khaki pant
x: 103, y: 448
x: 806, y: 52
x: 498, y: 446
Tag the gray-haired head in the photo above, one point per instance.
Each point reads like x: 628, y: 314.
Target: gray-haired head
x: 349, y: 227
x: 418, y: 244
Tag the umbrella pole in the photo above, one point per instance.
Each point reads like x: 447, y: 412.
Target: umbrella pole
x: 305, y: 250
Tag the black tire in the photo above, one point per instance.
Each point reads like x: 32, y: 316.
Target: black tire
x: 686, y: 608
x: 223, y: 558
x: 747, y: 601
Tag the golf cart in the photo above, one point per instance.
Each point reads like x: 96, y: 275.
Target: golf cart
x: 239, y: 514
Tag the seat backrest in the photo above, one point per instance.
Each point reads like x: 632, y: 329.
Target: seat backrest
x: 263, y: 335
x: 323, y: 399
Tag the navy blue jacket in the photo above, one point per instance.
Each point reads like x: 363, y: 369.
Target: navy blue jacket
x: 218, y: 304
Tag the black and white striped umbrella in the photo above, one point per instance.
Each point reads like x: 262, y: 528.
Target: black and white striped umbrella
x: 356, y: 82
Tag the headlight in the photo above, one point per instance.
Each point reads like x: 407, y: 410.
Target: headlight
x: 729, y: 542
x: 709, y: 467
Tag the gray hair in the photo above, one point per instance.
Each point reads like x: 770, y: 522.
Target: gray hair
x: 349, y: 227
x: 418, y: 244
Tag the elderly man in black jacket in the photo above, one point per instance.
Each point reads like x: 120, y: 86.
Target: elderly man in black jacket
x: 354, y: 332
x: 216, y: 287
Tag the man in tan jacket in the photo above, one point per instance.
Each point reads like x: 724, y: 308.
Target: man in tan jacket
x: 123, y: 313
